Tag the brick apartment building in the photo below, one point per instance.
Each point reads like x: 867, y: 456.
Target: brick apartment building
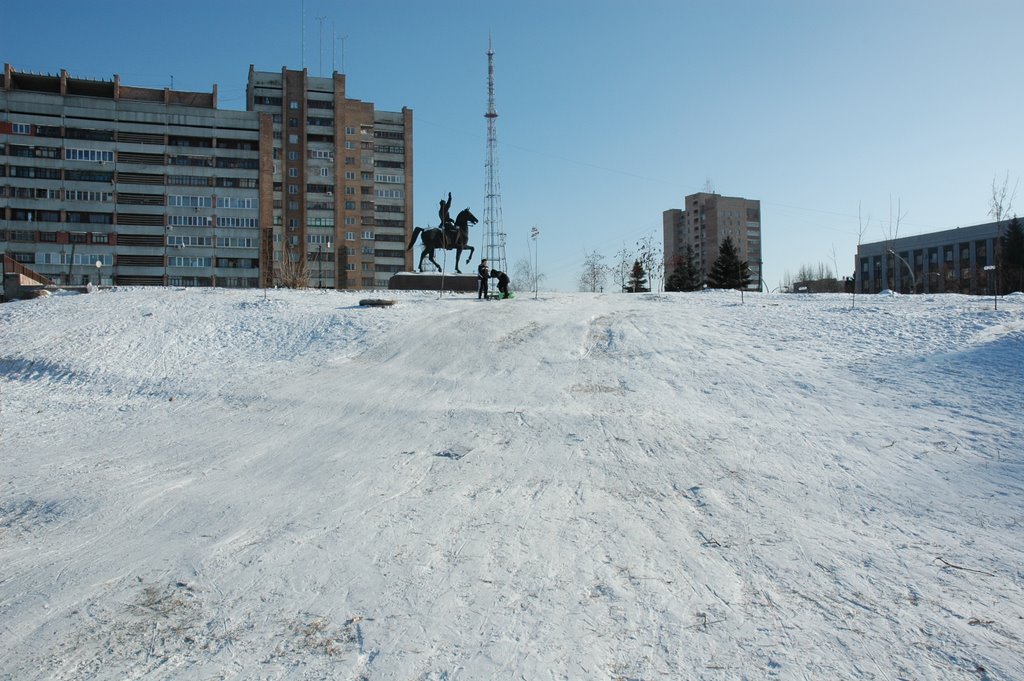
x: 342, y: 180
x: 704, y: 223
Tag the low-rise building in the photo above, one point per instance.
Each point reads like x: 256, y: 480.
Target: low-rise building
x: 950, y: 261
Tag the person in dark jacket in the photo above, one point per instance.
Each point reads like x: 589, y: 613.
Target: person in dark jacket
x: 483, y: 274
x: 502, y: 282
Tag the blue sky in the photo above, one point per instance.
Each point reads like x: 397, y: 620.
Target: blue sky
x: 611, y: 111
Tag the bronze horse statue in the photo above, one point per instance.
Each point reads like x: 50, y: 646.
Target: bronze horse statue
x: 449, y: 238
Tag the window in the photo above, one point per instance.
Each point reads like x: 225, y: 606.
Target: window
x: 349, y: 236
x: 251, y: 223
x: 293, y: 139
x: 293, y: 189
x: 325, y: 172
x: 234, y: 202
x: 73, y: 154
x: 189, y: 221
x: 368, y: 235
x: 181, y: 201
x: 21, y: 128
x: 78, y: 195
x: 293, y: 122
x: 293, y: 172
x: 349, y: 175
x: 293, y: 104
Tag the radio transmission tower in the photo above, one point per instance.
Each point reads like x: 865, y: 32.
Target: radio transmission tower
x: 494, y: 232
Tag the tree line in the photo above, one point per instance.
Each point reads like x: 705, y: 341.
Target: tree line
x: 636, y: 271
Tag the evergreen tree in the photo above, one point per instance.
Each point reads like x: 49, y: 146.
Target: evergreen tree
x: 1012, y: 264
x: 685, y: 276
x: 728, y: 271
x: 637, y: 279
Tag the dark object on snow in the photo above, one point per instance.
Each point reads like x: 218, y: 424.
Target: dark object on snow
x: 502, y: 282
x: 376, y: 302
x: 456, y: 237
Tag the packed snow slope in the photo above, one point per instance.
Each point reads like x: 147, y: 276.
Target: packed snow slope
x: 207, y: 484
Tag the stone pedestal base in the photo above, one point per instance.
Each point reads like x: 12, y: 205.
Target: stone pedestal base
x: 433, y: 281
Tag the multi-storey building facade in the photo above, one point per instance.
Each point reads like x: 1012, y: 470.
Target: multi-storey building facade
x: 705, y: 223
x: 128, y: 185
x: 950, y: 261
x: 342, y: 181
x: 160, y: 187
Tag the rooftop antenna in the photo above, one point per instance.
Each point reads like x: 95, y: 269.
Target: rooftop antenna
x: 302, y: 27
x: 334, y: 44
x: 321, y: 20
x: 494, y: 233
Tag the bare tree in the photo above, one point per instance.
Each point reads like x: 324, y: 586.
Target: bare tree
x: 623, y: 265
x: 1001, y: 203
x: 891, y: 234
x: 293, y: 274
x: 525, y: 276
x: 594, y: 273
x: 651, y: 259
x: 862, y: 227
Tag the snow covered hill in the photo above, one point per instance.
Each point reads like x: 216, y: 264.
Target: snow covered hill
x: 202, y: 484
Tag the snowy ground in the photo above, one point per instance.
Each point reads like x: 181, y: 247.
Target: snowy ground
x: 205, y: 484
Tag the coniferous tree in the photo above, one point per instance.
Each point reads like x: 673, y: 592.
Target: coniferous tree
x: 728, y: 271
x: 637, y: 279
x: 686, y: 275
x: 1012, y: 264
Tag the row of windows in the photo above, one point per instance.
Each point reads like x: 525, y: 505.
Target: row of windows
x: 189, y: 241
x: 95, y: 155
x: 234, y: 202
x: 77, y: 259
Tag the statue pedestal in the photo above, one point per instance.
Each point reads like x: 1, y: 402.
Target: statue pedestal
x: 433, y: 281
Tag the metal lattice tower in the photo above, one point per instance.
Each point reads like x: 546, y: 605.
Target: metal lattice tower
x: 494, y: 232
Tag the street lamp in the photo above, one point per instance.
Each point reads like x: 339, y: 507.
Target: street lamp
x: 331, y: 257
x: 534, y: 233
x: 913, y: 279
x: 995, y: 289
x: 99, y: 266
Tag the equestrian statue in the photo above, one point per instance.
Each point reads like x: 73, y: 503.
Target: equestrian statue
x: 450, y: 235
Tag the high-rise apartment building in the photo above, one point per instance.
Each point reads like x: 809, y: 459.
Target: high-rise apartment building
x: 159, y: 187
x: 342, y: 181
x: 704, y: 224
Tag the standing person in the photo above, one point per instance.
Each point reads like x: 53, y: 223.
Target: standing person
x: 502, y: 282
x: 483, y: 274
